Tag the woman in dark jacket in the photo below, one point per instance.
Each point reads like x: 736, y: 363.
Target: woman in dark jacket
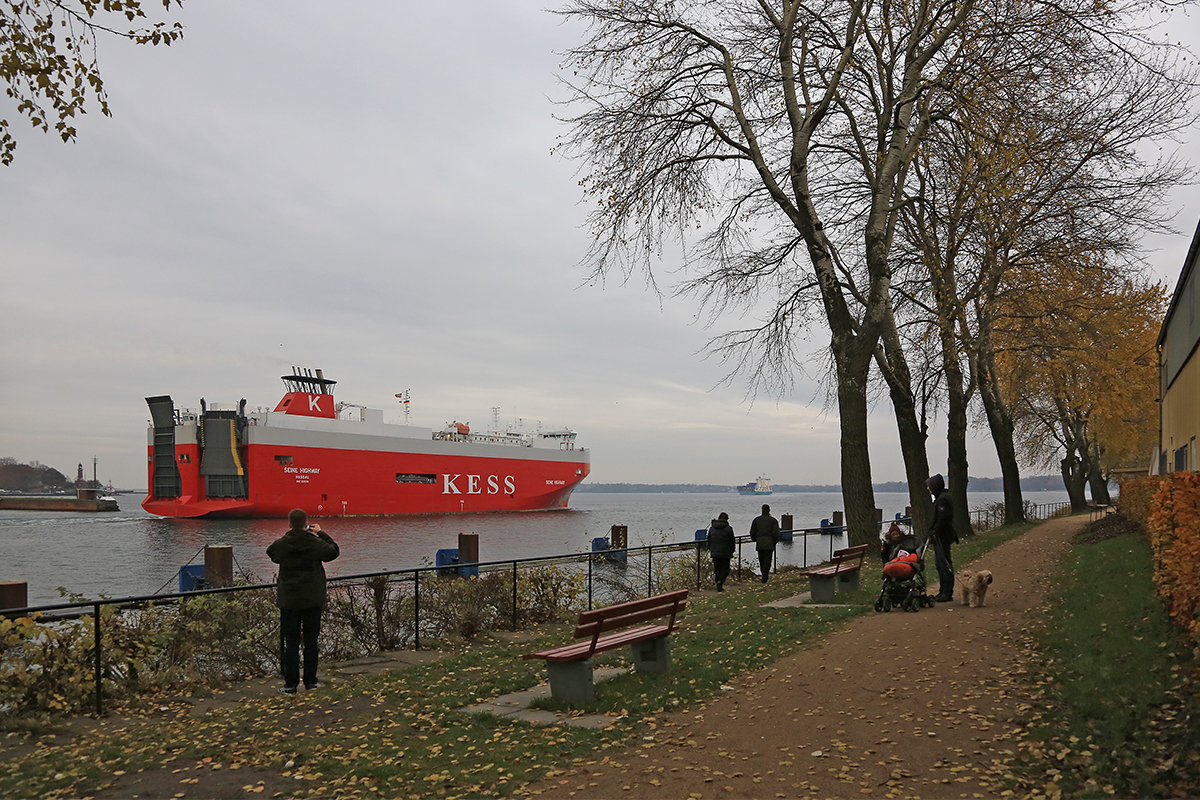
x: 721, y: 543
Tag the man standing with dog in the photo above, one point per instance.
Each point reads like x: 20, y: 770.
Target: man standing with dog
x: 941, y: 530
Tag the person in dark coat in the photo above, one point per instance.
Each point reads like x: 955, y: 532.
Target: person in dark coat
x: 941, y: 530
x: 721, y: 544
x: 764, y: 530
x: 300, y: 595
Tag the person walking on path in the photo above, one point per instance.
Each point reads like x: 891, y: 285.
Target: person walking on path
x: 721, y: 543
x: 941, y: 529
x: 764, y: 530
x: 300, y: 595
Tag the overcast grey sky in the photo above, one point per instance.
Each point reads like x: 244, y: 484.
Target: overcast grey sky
x: 367, y: 188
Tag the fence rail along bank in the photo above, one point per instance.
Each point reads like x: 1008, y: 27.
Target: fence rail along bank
x: 610, y: 572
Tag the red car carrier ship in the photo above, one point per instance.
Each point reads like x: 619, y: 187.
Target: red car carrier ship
x: 338, y: 459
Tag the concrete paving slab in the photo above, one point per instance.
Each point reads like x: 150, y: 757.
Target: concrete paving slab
x: 516, y: 706
x: 802, y: 601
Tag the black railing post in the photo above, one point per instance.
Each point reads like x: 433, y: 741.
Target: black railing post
x: 99, y: 662
x: 590, y: 560
x: 417, y: 610
x: 697, y: 566
x: 650, y: 571
x: 514, y: 595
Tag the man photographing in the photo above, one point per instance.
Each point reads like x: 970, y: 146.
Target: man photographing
x: 300, y: 595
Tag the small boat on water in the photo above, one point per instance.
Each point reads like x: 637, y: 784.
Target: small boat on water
x: 342, y: 459
x: 760, y: 486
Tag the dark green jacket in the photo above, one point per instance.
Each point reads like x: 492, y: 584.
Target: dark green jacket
x: 721, y: 540
x: 300, y: 556
x: 764, y: 530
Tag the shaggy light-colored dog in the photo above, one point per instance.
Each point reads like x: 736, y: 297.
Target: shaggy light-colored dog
x: 973, y: 587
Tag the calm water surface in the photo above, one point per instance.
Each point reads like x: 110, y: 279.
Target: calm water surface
x: 130, y: 552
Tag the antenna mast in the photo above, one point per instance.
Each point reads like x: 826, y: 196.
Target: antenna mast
x: 403, y: 398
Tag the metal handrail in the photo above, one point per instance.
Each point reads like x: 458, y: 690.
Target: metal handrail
x: 77, y: 609
x: 986, y: 519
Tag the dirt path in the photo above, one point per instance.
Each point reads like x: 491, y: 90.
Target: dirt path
x: 895, y: 705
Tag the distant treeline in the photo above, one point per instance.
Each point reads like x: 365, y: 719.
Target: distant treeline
x: 654, y: 488
x: 35, y: 477
x: 1039, y: 483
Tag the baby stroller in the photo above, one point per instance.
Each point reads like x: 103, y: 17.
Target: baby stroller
x: 904, y: 582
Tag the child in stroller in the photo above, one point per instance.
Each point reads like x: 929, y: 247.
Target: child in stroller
x: 903, y: 572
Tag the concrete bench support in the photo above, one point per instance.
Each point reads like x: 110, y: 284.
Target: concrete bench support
x: 822, y: 587
x: 571, y: 681
x: 652, y: 655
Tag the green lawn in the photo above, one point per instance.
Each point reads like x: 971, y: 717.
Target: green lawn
x: 1107, y: 665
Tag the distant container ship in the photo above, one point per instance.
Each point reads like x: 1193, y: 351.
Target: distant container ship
x: 339, y: 459
x: 760, y: 486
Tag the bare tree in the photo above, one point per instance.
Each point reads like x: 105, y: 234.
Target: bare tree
x: 782, y: 132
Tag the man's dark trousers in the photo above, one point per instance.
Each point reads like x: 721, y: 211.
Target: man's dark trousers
x: 765, y: 559
x: 298, y: 625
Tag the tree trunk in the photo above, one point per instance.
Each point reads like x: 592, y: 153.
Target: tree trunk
x: 1000, y: 424
x: 1099, y: 487
x: 894, y: 367
x: 956, y: 421
x: 1075, y: 479
x: 858, y: 495
x: 956, y: 445
x: 1096, y: 480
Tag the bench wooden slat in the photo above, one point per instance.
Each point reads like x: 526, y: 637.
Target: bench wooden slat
x: 592, y: 627
x: 577, y: 651
x: 667, y: 599
x: 842, y: 561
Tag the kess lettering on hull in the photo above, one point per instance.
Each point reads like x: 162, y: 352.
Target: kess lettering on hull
x: 474, y: 484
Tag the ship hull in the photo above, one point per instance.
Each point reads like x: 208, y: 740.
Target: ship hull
x: 362, y: 483
x: 266, y: 464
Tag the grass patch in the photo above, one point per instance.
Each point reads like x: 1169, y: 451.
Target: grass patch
x: 1112, y: 716
x: 397, y: 734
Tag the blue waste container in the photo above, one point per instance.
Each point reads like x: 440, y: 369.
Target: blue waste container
x: 191, y: 577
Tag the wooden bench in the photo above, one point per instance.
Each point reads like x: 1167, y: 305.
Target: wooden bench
x: 608, y: 628
x: 842, y: 569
